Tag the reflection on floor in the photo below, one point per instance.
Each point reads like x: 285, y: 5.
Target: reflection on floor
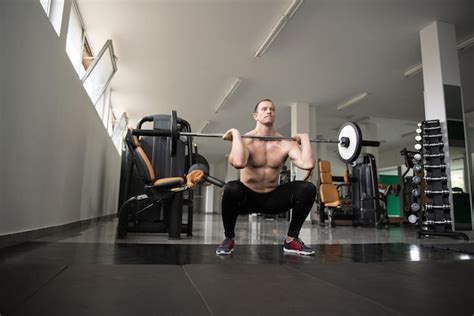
x: 355, y: 271
x: 254, y: 230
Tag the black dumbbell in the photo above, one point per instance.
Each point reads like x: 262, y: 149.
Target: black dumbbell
x: 416, y: 180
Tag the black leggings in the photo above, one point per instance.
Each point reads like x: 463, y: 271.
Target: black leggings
x: 239, y: 199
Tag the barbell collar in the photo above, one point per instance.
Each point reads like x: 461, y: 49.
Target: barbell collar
x: 151, y: 132
x: 370, y: 143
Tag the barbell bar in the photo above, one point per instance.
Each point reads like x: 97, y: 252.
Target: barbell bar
x: 349, y: 141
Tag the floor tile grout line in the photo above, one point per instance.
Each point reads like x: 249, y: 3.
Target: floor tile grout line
x: 197, y: 290
x: 40, y: 288
x: 345, y: 290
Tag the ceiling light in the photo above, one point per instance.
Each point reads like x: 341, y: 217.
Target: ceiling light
x: 465, y: 43
x: 414, y: 70
x: 203, y: 127
x: 355, y: 99
x: 294, y: 5
x: 229, y: 92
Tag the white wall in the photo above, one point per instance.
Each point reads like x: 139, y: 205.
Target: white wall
x: 466, y: 60
x: 59, y: 164
x: 391, y: 157
x: 2, y: 61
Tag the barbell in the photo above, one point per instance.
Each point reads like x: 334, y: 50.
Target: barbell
x: 350, y: 141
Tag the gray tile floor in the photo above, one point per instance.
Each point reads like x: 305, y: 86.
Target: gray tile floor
x: 256, y: 230
x: 356, y: 271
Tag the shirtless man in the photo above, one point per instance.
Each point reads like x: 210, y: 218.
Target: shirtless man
x: 257, y: 190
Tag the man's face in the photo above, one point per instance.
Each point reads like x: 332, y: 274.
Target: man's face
x: 265, y: 113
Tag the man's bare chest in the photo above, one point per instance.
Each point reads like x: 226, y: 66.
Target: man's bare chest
x: 267, y: 154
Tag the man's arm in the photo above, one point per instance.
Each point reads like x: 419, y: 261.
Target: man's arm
x: 302, y: 156
x: 239, y: 153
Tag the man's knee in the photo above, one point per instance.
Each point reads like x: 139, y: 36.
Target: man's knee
x: 233, y: 190
x: 306, y: 190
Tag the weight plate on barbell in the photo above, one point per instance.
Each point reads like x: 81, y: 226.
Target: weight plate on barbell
x: 174, y: 132
x: 352, y: 131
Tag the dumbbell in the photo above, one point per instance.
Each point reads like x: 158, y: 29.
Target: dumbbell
x: 412, y: 218
x: 433, y: 222
x: 429, y: 179
x: 415, y: 207
x: 426, y: 145
x: 443, y: 192
x: 416, y: 179
x: 417, y: 157
x: 433, y: 136
x: 435, y: 167
x: 418, y: 168
x: 418, y: 138
x: 437, y: 207
x: 440, y: 155
x: 431, y: 128
x: 415, y: 192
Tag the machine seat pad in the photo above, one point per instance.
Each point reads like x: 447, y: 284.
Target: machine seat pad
x: 333, y: 204
x: 168, y: 182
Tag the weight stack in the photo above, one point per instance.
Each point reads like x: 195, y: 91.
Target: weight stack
x: 434, y: 207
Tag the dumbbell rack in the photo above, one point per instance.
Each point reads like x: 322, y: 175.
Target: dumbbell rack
x: 431, y: 205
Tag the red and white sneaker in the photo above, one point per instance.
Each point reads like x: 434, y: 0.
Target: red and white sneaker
x: 226, y: 247
x: 297, y: 246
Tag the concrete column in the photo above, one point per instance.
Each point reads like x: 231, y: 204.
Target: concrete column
x: 209, y: 194
x: 442, y: 82
x: 300, y: 123
x: 301, y: 119
x: 370, y: 132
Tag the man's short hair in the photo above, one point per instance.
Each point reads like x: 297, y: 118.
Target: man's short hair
x: 263, y: 100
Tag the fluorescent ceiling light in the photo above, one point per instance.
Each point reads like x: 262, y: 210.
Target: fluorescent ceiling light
x: 355, y: 99
x: 294, y: 5
x: 465, y: 43
x: 203, y: 127
x: 228, y: 94
x: 413, y: 70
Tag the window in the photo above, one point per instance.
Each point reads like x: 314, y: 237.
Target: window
x: 100, y: 73
x: 54, y: 10
x: 87, y: 56
x: 56, y: 14
x: 119, y: 132
x: 46, y: 6
x: 74, y: 40
x: 102, y: 105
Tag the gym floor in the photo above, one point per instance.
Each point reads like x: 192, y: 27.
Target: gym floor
x: 355, y: 271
